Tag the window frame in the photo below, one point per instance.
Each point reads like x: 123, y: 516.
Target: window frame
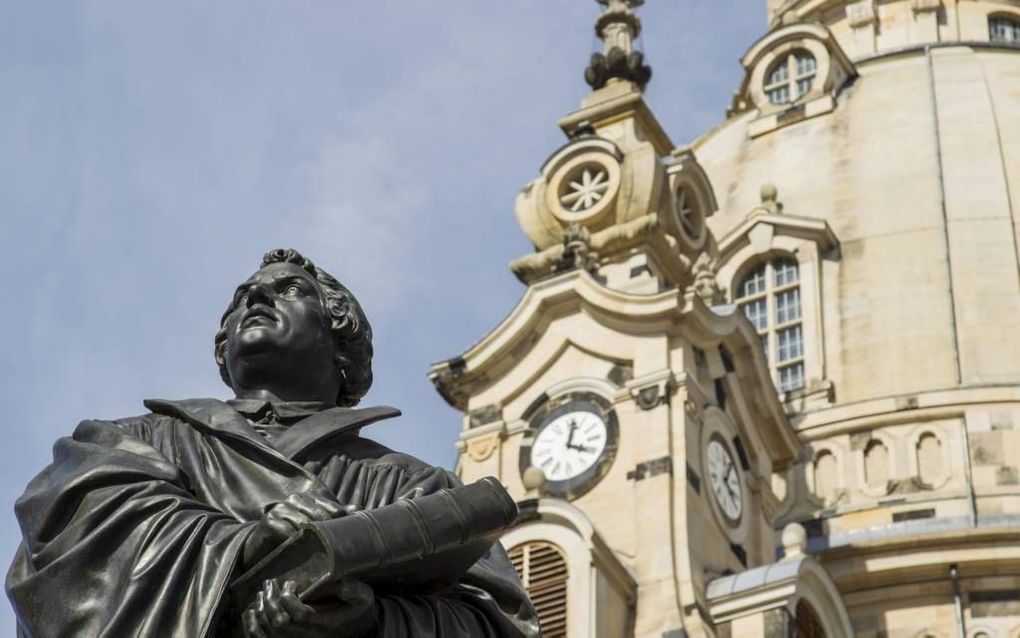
x: 770, y: 332
x: 815, y: 247
x: 1013, y: 20
x: 790, y: 61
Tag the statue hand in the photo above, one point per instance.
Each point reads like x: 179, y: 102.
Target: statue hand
x: 348, y: 612
x: 284, y: 519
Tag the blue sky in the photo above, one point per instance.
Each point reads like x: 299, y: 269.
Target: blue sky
x: 150, y: 152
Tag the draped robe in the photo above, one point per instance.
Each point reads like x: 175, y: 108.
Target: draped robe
x: 138, y: 525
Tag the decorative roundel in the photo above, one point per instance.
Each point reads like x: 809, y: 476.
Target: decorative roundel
x: 572, y: 439
x: 724, y: 480
x: 690, y: 215
x: 584, y: 187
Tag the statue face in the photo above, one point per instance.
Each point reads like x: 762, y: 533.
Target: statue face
x: 279, y: 319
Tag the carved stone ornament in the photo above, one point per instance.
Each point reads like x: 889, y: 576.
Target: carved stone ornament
x: 481, y: 448
x: 584, y: 188
x: 617, y: 63
x: 648, y: 398
x: 618, y: 28
x: 577, y: 252
x: 705, y: 285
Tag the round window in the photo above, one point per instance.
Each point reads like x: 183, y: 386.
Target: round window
x: 689, y: 214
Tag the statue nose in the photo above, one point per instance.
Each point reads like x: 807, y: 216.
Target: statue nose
x: 258, y: 293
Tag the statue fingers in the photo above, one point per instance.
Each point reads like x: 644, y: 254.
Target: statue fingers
x: 313, y: 508
x: 328, y: 503
x: 299, y: 611
x: 285, y: 519
x: 278, y: 616
x: 251, y: 625
x: 261, y: 613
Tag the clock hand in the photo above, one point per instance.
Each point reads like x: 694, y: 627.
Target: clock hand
x: 581, y: 448
x: 570, y: 435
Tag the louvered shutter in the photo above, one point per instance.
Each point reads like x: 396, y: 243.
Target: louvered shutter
x: 807, y: 623
x: 543, y: 570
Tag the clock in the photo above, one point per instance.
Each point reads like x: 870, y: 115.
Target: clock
x: 569, y: 445
x: 724, y: 479
x: 572, y: 439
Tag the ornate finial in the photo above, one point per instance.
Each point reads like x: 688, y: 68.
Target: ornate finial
x: 618, y: 27
x: 535, y: 481
x: 794, y: 539
x: 770, y: 204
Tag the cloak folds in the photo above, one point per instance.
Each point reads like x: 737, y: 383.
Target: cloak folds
x: 137, y: 527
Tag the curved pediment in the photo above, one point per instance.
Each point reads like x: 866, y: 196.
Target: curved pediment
x: 541, y: 304
x: 574, y: 311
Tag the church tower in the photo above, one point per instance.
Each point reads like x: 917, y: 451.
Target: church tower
x: 768, y: 383
x: 631, y: 413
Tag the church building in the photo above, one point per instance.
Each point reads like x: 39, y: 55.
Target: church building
x: 767, y: 384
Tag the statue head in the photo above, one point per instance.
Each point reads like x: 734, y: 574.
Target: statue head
x: 296, y: 332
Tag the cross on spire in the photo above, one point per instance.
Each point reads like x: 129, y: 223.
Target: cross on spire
x: 618, y: 27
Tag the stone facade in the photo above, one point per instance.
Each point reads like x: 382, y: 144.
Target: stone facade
x: 858, y: 206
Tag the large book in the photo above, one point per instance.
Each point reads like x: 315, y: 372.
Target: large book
x: 414, y: 545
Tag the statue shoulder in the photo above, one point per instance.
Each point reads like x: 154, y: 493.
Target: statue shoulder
x: 148, y: 427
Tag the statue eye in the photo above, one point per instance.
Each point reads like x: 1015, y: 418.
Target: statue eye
x: 292, y: 290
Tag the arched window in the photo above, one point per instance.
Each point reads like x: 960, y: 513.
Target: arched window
x: 770, y: 297
x: 1002, y: 29
x: 825, y: 474
x: 929, y: 459
x: 543, y: 571
x: 790, y: 77
x: 876, y: 464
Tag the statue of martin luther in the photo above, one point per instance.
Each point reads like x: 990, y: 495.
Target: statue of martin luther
x: 140, y: 525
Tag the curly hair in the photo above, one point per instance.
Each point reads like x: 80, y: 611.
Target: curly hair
x: 352, y: 334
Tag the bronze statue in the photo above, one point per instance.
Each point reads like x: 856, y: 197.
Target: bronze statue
x: 269, y: 514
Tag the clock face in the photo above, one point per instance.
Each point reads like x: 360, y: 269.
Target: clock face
x: 724, y: 478
x: 572, y: 438
x: 569, y: 444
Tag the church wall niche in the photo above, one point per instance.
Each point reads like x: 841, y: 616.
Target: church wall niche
x: 876, y: 465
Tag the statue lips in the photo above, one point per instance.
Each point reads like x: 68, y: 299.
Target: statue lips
x: 258, y: 317
x: 260, y: 329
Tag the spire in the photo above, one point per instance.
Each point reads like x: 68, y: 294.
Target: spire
x: 618, y: 28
